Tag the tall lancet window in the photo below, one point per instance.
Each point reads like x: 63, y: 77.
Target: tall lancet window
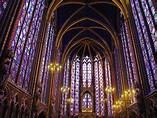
x: 24, y: 42
x: 118, y: 76
x: 3, y: 5
x: 87, y: 73
x: 75, y: 82
x: 144, y: 37
x: 65, y: 89
x: 149, y: 13
x: 57, y: 73
x: 46, y: 58
x: 99, y: 86
x: 129, y: 58
x: 108, y: 85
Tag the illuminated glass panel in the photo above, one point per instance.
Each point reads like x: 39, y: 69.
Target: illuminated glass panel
x: 118, y: 76
x: 99, y: 87
x: 145, y: 44
x: 84, y: 76
x: 57, y: 74
x: 65, y: 85
x: 3, y: 5
x: 86, y: 68
x: 89, y: 72
x: 129, y: 58
x: 97, y: 94
x: 46, y: 58
x: 149, y: 19
x: 24, y: 42
x: 86, y: 101
x: 74, y: 93
x: 108, y: 85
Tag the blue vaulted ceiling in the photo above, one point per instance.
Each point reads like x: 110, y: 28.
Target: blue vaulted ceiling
x: 86, y: 26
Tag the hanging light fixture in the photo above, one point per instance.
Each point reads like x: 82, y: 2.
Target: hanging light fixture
x: 54, y: 67
x: 109, y: 89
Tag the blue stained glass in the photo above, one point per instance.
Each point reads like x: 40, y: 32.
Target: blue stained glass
x: 87, y: 101
x: 118, y: 76
x: 57, y: 75
x: 108, y: 85
x: 149, y: 19
x: 127, y: 52
x: 99, y: 87
x: 24, y: 41
x: 20, y: 43
x: 74, y: 93
x: 86, y: 74
x: 145, y: 44
x: 66, y: 85
x: 46, y: 58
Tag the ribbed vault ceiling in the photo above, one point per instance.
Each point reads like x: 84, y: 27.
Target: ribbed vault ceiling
x: 86, y: 27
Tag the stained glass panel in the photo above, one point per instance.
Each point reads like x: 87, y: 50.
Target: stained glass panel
x: 129, y: 58
x: 46, y: 58
x: 65, y: 85
x: 75, y: 81
x: 118, y: 76
x: 145, y: 44
x: 108, y: 85
x: 86, y: 101
x: 24, y: 42
x: 86, y: 72
x: 99, y: 87
x: 150, y: 18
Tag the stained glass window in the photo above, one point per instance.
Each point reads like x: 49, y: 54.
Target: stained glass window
x: 24, y: 41
x: 87, y: 101
x: 108, y: 85
x: 57, y: 74
x: 99, y: 87
x: 150, y: 18
x: 144, y: 40
x: 65, y: 86
x: 75, y: 79
x: 3, y: 5
x: 46, y: 58
x: 129, y: 58
x: 87, y: 73
x: 118, y: 76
